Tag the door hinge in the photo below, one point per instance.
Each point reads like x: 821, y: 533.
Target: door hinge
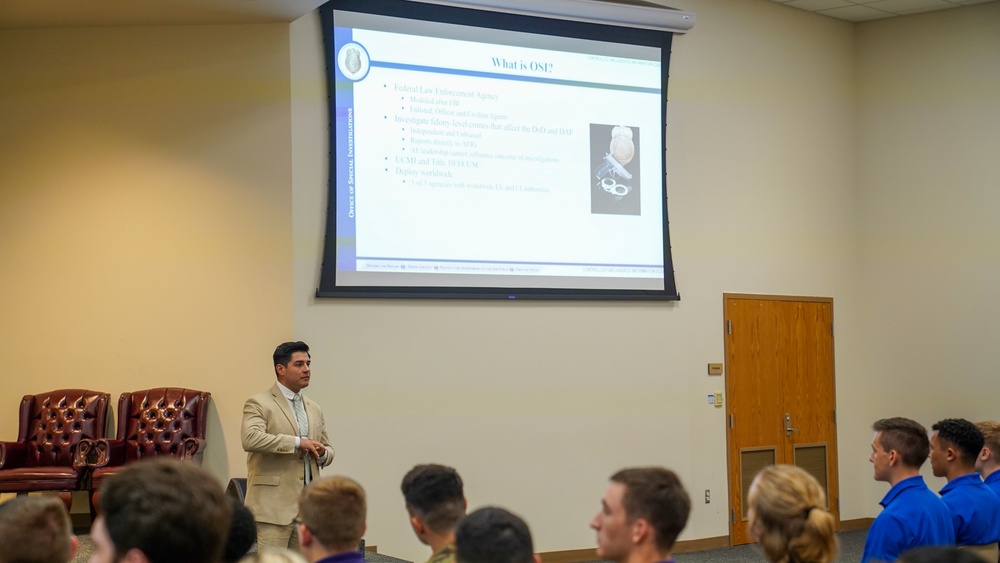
x: 729, y: 327
x: 731, y: 424
x: 838, y: 505
x: 835, y: 416
x: 733, y: 512
x: 831, y: 329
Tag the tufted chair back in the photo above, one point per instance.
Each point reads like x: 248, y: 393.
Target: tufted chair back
x: 53, y: 423
x: 160, y: 421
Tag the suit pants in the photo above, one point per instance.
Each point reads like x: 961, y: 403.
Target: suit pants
x: 273, y: 535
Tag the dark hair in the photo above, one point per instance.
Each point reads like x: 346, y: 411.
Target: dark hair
x: 939, y: 555
x: 963, y: 435
x: 656, y: 495
x: 168, y: 509
x: 493, y: 535
x: 434, y: 493
x: 34, y: 530
x: 242, y: 532
x: 283, y: 353
x: 334, y: 510
x: 908, y: 437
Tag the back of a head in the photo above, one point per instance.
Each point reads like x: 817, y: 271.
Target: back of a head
x: 788, y: 516
x: 168, y: 509
x: 435, y: 494
x: 493, y: 535
x: 908, y: 437
x: 991, y: 437
x: 242, y: 532
x: 962, y: 434
x: 939, y: 555
x: 334, y: 509
x: 34, y: 530
x: 656, y: 495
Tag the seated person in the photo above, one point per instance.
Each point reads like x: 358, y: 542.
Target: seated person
x: 494, y: 535
x: 975, y: 509
x: 35, y: 530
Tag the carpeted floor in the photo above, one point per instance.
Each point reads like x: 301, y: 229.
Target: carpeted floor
x: 851, y: 546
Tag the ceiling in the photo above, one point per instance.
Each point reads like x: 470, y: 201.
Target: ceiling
x: 89, y: 13
x: 864, y: 10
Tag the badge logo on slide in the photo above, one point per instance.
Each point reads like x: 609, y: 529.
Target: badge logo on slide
x: 353, y: 61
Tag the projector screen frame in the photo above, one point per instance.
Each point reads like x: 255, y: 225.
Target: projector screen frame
x: 543, y: 25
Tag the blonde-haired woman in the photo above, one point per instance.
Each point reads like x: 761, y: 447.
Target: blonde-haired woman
x: 788, y: 516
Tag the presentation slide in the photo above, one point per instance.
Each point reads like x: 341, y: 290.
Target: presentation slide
x: 477, y: 157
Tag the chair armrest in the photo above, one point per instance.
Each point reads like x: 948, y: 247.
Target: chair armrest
x: 85, y: 454
x: 99, y: 453
x: 193, y: 448
x: 13, y: 454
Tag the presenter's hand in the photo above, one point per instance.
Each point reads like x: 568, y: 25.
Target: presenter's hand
x: 312, y: 447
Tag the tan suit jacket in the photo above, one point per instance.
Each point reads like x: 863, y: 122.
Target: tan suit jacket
x: 275, y: 472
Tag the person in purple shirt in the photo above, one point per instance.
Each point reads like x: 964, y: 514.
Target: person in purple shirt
x: 975, y: 509
x: 988, y: 462
x: 912, y: 515
x: 331, y: 520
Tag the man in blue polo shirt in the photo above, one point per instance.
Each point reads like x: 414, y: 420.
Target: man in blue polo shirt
x: 988, y: 462
x: 912, y: 515
x: 975, y: 509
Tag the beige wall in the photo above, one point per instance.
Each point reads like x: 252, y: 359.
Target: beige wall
x: 162, y: 198
x: 929, y: 193
x: 145, y: 214
x: 536, y: 404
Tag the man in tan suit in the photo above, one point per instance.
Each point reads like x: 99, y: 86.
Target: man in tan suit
x: 286, y: 443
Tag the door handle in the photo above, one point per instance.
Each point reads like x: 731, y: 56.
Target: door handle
x: 788, y: 425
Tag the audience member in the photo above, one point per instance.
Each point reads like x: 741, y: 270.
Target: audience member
x: 242, y: 532
x: 988, y: 462
x: 435, y: 502
x: 787, y: 515
x: 331, y: 521
x: 975, y: 509
x: 939, y: 555
x: 35, y: 530
x: 161, y: 511
x: 912, y: 515
x: 493, y: 535
x: 642, y: 512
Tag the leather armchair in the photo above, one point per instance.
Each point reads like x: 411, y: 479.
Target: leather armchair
x: 152, y: 422
x: 50, y: 429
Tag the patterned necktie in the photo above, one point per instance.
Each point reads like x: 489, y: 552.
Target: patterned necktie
x: 300, y: 418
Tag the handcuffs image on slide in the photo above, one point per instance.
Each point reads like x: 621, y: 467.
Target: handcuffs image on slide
x: 615, y: 164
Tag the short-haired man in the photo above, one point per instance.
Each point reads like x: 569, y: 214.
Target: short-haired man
x: 161, y: 511
x: 285, y: 438
x: 436, y: 502
x: 912, y: 515
x: 36, y: 530
x: 975, y: 509
x: 988, y: 462
x: 642, y: 513
x: 494, y: 535
x: 331, y: 520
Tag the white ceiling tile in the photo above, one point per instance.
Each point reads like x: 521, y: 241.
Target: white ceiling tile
x: 898, y: 6
x: 856, y: 13
x: 817, y: 5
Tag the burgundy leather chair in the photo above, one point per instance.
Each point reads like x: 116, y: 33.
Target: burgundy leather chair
x: 50, y: 429
x: 166, y: 421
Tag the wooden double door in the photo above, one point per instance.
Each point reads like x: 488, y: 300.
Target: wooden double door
x: 780, y: 389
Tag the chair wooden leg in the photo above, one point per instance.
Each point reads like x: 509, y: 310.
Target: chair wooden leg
x: 94, y: 511
x: 67, y: 498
